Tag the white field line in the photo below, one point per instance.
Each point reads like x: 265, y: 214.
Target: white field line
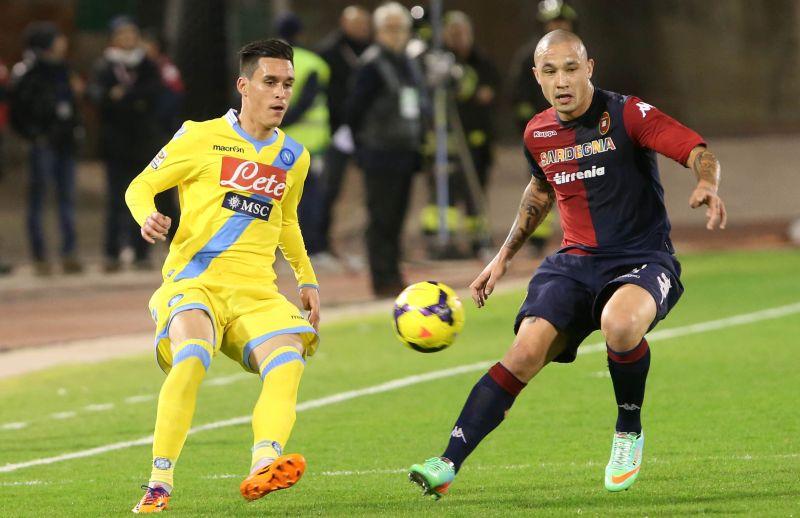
x: 19, y: 425
x: 100, y: 407
x: 63, y: 415
x: 132, y: 400
x: 736, y: 320
x: 227, y: 380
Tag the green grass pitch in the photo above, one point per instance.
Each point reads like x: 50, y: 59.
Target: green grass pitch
x: 721, y: 416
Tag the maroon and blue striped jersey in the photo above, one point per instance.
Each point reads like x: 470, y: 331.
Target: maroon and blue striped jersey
x: 603, y: 169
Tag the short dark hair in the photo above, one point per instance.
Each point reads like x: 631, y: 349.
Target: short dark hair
x: 272, y: 48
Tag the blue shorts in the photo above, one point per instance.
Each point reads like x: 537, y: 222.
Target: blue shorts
x: 569, y: 291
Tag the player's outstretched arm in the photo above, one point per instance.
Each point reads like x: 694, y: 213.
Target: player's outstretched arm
x: 537, y: 200
x: 707, y: 171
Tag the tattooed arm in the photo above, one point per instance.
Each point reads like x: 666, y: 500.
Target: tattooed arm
x: 537, y: 200
x: 707, y: 171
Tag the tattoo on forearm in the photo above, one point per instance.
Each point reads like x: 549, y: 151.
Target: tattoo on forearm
x: 706, y: 167
x: 537, y: 200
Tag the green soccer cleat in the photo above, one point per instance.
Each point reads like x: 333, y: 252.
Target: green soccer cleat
x: 434, y: 476
x: 626, y: 459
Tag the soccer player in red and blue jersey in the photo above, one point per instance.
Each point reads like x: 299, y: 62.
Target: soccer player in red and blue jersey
x: 594, y: 153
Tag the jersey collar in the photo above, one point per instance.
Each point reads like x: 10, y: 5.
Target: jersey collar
x: 233, y: 119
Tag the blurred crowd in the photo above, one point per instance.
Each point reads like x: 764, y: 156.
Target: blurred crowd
x: 367, y: 95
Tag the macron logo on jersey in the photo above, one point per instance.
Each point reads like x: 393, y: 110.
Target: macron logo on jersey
x: 228, y: 149
x: 246, y: 175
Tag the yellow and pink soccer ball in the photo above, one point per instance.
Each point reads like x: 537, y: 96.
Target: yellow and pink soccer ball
x: 428, y: 316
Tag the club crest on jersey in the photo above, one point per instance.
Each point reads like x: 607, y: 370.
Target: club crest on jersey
x: 287, y: 156
x: 253, y: 207
x: 246, y: 175
x: 158, y: 159
x: 605, y: 123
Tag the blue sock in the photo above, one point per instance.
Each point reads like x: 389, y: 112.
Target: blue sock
x: 628, y: 374
x: 484, y: 410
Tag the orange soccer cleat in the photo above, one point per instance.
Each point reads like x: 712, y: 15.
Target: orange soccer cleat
x: 154, y: 500
x: 283, y: 473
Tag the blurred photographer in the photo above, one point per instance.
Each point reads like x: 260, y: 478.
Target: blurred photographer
x: 386, y: 112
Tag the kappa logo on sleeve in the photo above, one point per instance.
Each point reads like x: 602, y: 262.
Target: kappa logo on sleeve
x: 158, y: 159
x: 253, y: 207
x: 644, y: 108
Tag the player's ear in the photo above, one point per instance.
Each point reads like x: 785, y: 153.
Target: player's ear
x: 590, y: 67
x: 535, y: 73
x: 241, y: 85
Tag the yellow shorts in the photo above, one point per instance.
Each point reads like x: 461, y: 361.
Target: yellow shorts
x: 243, y: 316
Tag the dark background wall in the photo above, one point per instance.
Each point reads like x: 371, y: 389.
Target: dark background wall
x: 723, y: 66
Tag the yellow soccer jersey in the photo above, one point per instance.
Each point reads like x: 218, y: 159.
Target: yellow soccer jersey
x: 238, y: 199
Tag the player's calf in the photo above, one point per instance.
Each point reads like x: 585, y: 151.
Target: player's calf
x: 176, y: 404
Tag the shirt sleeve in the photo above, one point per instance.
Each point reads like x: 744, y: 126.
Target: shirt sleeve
x: 534, y: 167
x: 291, y: 239
x: 172, y: 165
x: 651, y: 128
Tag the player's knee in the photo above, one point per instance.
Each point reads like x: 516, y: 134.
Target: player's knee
x: 194, y: 350
x: 622, y: 331
x: 525, y: 358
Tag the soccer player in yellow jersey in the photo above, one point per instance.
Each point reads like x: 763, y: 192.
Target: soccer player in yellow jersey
x: 240, y: 179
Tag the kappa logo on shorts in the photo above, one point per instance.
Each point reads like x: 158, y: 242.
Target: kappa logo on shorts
x: 664, y: 284
x: 247, y: 206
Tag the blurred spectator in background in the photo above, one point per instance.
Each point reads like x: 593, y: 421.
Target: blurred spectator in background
x: 169, y: 109
x: 306, y: 121
x: 125, y: 86
x: 5, y: 268
x: 43, y: 111
x: 385, y: 113
x: 526, y: 94
x: 4, y: 79
x: 474, y: 87
x: 341, y: 50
